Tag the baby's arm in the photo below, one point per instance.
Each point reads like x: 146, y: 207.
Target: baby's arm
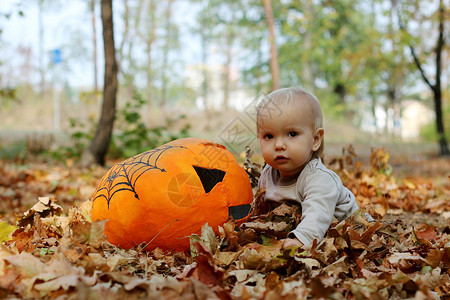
x: 320, y: 194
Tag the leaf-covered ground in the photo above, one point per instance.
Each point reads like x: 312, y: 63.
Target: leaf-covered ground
x: 52, y: 250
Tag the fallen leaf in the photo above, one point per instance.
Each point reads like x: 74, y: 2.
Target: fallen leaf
x: 336, y: 268
x: 5, y: 231
x: 269, y: 226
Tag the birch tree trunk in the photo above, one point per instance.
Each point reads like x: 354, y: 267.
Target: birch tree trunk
x: 274, y: 67
x: 165, y: 62
x: 94, y: 44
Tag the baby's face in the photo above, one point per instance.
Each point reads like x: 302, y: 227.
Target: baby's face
x: 288, y: 139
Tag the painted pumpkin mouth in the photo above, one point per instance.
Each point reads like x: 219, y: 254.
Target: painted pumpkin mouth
x: 240, y: 211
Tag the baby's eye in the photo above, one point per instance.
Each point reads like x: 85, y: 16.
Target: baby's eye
x: 268, y: 136
x: 292, y: 134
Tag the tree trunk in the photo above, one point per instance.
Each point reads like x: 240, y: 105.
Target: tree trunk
x: 390, y: 95
x: 98, y: 148
x: 165, y: 60
x: 227, y: 68
x: 125, y: 49
x: 440, y: 124
x: 94, y: 44
x: 436, y: 88
x: 274, y: 67
x: 149, y: 46
x: 43, y: 83
x: 341, y: 92
x: 373, y: 106
x: 205, y: 73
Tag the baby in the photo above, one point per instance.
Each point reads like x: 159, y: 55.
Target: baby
x: 290, y: 131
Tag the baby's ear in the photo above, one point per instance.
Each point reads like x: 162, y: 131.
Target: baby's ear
x: 318, y: 137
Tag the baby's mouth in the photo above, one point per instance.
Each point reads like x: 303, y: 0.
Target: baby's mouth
x: 281, y: 158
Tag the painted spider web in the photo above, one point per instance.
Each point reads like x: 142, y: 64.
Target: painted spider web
x: 124, y: 175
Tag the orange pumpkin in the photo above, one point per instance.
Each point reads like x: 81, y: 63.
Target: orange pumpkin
x: 164, y: 195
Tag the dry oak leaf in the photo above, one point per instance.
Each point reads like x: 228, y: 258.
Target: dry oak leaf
x: 336, y: 268
x: 401, y: 260
x: 255, y: 256
x: 204, y: 270
x: 267, y: 226
x: 54, y: 284
x: 89, y: 233
x: 225, y: 259
x: 45, y: 207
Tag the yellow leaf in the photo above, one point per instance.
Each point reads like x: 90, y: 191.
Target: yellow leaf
x: 5, y: 231
x: 86, y: 208
x: 409, y: 184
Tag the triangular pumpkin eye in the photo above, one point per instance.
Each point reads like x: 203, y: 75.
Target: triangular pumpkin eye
x: 209, y: 177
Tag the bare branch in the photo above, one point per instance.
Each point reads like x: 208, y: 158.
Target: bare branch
x: 403, y: 28
x: 419, y: 66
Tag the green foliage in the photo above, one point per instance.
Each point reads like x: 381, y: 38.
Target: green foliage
x: 80, y: 136
x: 133, y: 136
x: 429, y: 132
x: 15, y: 151
x: 7, y: 94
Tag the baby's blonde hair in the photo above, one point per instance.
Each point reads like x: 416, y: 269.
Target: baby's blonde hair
x: 284, y: 98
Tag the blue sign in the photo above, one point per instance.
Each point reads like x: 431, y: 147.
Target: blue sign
x: 56, y: 56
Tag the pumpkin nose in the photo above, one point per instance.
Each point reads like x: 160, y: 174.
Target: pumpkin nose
x: 209, y: 177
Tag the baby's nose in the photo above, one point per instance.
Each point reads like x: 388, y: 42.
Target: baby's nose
x: 280, y: 144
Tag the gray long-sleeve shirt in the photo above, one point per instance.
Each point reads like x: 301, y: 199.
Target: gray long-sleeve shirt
x: 320, y: 193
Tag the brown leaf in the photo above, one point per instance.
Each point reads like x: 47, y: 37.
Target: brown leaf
x: 81, y: 232
x: 26, y: 264
x: 58, y: 264
x: 274, y: 286
x: 136, y: 282
x: 95, y: 261
x: 261, y: 206
x: 97, y: 236
x: 255, y: 255
x: 405, y: 261
x: 434, y: 257
x: 336, y: 268
x: 205, y: 270
x: 284, y: 210
x: 426, y: 231
x: 46, y: 206
x: 73, y: 254
x: 319, y: 290
x: 275, y: 227
x: 89, y: 233
x: 366, y: 237
x: 202, y: 291
x: 23, y: 239
x: 231, y: 235
x: 62, y: 282
x: 225, y: 259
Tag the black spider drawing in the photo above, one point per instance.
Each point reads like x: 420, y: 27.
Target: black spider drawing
x: 124, y: 175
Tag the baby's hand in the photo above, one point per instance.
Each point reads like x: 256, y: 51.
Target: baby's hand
x: 291, y: 243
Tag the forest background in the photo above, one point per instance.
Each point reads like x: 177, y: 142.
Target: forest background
x: 198, y: 68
